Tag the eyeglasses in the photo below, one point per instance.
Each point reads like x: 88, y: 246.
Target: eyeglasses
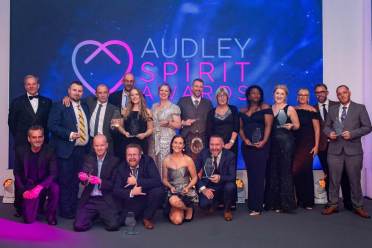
x: 302, y: 95
x: 320, y: 92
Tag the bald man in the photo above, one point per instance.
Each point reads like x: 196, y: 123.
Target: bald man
x: 97, y: 199
x: 120, y: 98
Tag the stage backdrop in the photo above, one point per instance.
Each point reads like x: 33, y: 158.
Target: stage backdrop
x: 227, y: 43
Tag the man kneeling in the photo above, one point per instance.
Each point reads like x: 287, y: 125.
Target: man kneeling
x: 97, y: 199
x: 217, y: 174
x: 139, y: 186
x: 34, y: 172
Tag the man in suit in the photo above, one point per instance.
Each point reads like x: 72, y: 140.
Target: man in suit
x: 323, y: 105
x: 25, y: 111
x: 138, y: 186
x: 345, y: 124
x: 219, y: 187
x: 194, y: 113
x: 97, y: 198
x: 34, y: 172
x: 70, y: 138
x: 120, y: 98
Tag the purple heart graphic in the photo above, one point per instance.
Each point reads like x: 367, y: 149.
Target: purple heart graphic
x: 101, y: 47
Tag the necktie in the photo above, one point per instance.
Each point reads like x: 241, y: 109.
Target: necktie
x: 324, y: 111
x: 343, y: 114
x: 196, y: 103
x: 32, y: 97
x: 97, y: 119
x: 81, y: 125
x: 215, y: 164
x: 134, y: 172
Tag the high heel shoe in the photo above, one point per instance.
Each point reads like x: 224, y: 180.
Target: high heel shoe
x: 192, y: 215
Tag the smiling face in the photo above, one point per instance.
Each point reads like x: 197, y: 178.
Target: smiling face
x: 197, y: 88
x: 178, y: 145
x: 280, y: 96
x: 222, y: 98
x: 254, y: 96
x: 134, y: 96
x: 36, y: 138
x: 31, y: 85
x: 215, y: 145
x: 343, y: 95
x: 133, y: 156
x: 100, y: 145
x: 164, y: 92
x: 321, y: 94
x: 75, y: 92
x: 128, y: 81
x: 303, y: 96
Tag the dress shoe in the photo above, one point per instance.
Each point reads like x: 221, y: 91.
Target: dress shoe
x: 362, y: 213
x: 330, y: 210
x: 52, y: 221
x: 227, y: 215
x: 148, y: 224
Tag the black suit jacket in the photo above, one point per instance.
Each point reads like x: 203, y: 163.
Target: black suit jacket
x: 107, y: 176
x: 115, y: 98
x: 323, y: 141
x: 111, y: 112
x: 148, y: 177
x: 226, y: 167
x: 21, y: 117
x: 47, y: 168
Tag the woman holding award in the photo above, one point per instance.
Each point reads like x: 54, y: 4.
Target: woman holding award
x: 279, y: 186
x: 255, y: 128
x: 166, y: 120
x: 137, y: 122
x: 179, y: 176
x: 307, y: 142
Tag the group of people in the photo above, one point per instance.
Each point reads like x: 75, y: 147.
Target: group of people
x: 131, y: 158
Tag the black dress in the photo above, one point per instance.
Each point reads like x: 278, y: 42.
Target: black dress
x: 279, y: 193
x: 224, y: 126
x: 135, y: 124
x: 255, y: 159
x: 303, y: 160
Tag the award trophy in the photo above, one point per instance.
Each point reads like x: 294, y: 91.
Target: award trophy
x: 338, y: 127
x: 282, y: 118
x: 208, y: 168
x: 256, y: 135
x: 130, y: 222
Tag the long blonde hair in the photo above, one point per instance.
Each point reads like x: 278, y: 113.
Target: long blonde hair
x: 142, y: 107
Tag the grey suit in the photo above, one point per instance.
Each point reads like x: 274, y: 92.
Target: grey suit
x: 347, y: 154
x: 198, y: 128
x: 112, y: 112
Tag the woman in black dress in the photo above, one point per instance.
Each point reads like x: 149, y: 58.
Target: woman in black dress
x: 279, y: 187
x: 307, y: 142
x: 255, y: 128
x: 224, y: 121
x: 137, y: 124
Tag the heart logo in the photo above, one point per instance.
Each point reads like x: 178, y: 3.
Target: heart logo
x: 101, y: 48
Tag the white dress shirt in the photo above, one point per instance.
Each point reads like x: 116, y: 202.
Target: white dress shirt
x: 100, y: 120
x: 34, y: 102
x: 341, y: 109
x: 320, y: 106
x: 76, y: 111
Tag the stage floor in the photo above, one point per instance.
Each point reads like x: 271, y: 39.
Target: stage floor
x: 304, y: 229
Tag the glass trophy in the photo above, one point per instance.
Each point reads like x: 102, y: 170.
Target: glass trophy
x: 282, y: 118
x: 338, y: 127
x: 130, y: 223
x: 208, y: 168
x: 256, y: 135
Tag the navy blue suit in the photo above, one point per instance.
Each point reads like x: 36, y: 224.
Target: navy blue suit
x: 226, y: 187
x: 62, y: 121
x: 149, y: 179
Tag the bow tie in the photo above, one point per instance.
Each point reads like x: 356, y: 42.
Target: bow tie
x: 32, y: 97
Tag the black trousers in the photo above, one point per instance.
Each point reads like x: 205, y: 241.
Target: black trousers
x: 223, y: 191
x: 144, y: 206
x: 69, y: 181
x: 345, y: 185
x: 96, y: 207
